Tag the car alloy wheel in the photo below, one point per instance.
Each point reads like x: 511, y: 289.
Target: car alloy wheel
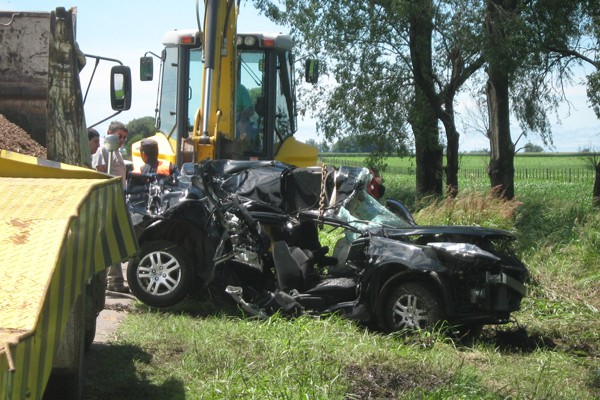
x: 412, y: 306
x: 162, y: 275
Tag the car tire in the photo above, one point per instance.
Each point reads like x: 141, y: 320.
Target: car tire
x: 162, y: 275
x: 412, y: 306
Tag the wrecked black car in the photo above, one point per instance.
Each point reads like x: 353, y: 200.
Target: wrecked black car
x: 251, y: 229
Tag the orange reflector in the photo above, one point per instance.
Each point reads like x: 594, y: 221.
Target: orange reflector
x: 268, y: 42
x: 187, y: 40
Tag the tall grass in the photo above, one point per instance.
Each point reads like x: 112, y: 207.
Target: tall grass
x: 470, y: 208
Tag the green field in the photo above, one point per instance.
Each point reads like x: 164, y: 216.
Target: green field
x: 567, y: 167
x: 526, y: 160
x: 551, y: 171
x: 550, y: 351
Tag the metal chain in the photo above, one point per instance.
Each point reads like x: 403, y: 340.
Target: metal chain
x: 322, y: 196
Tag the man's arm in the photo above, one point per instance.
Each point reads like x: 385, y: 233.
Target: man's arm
x: 99, y: 162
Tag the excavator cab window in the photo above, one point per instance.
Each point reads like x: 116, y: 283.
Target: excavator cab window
x: 250, y: 111
x: 167, y: 121
x: 285, y: 118
x: 178, y: 100
x: 195, y: 86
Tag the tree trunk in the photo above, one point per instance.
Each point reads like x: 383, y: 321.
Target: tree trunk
x: 429, y: 154
x: 501, y: 168
x: 66, y: 133
x: 452, y: 137
x: 423, y: 117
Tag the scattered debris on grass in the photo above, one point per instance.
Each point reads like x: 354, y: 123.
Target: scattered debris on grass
x: 379, y: 382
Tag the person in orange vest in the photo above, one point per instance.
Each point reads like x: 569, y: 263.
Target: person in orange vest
x: 149, y: 153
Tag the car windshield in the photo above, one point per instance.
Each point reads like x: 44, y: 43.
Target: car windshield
x: 364, y: 212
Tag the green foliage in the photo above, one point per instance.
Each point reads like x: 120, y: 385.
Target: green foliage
x: 141, y: 126
x: 139, y: 129
x: 593, y: 91
x: 135, y: 138
x: 366, y: 92
x: 324, y: 147
x: 312, y: 142
x: 532, y: 148
x: 559, y: 36
x: 354, y: 144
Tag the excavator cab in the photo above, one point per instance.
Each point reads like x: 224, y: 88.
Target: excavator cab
x: 255, y: 97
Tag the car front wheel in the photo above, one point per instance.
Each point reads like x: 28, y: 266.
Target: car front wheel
x: 412, y: 306
x: 162, y: 275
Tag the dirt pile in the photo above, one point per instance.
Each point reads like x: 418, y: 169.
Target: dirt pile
x: 13, y: 138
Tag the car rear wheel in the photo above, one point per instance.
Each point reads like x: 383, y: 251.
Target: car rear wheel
x: 162, y: 275
x: 412, y: 306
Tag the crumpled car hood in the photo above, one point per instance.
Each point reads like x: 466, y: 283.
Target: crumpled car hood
x: 285, y: 187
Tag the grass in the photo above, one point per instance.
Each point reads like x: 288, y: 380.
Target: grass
x: 174, y: 356
x: 550, y: 351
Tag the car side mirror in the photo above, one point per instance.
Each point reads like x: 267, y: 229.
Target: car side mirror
x: 312, y: 71
x: 146, y: 69
x: 120, y: 88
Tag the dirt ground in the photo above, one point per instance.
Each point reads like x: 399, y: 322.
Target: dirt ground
x: 13, y: 138
x: 116, y: 308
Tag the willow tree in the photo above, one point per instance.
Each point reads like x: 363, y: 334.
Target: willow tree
x: 569, y: 31
x: 451, y: 28
x: 499, y: 18
x: 531, y: 48
x: 393, y: 68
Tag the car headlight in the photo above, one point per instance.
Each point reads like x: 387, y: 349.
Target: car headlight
x: 463, y: 250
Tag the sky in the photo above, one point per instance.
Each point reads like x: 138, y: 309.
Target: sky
x: 127, y: 29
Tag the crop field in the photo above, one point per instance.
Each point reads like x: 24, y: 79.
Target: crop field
x: 566, y: 167
x: 533, y: 172
x: 551, y: 349
x: 470, y: 161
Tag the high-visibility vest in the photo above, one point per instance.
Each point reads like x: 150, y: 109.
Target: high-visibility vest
x: 163, y: 168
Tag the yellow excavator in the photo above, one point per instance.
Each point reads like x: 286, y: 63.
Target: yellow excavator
x: 225, y: 95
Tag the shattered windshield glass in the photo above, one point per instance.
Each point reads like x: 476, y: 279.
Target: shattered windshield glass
x: 364, y: 212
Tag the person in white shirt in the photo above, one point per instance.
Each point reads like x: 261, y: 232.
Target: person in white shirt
x: 115, y: 281
x: 100, y: 158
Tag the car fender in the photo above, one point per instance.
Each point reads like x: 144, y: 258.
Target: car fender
x: 188, y: 218
x: 383, y: 251
x: 191, y: 226
x: 392, y: 261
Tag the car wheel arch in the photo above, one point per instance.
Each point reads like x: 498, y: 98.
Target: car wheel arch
x: 182, y: 233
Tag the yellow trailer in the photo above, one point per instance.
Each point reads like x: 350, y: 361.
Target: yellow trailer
x: 59, y: 225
